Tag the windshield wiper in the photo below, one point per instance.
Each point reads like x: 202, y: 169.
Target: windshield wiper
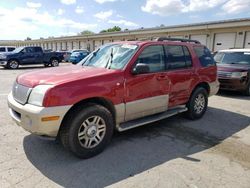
x: 109, y: 63
x: 89, y: 59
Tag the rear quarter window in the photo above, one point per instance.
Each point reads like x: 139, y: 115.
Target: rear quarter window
x: 204, y: 55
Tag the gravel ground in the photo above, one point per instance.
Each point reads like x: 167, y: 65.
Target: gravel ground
x: 211, y: 152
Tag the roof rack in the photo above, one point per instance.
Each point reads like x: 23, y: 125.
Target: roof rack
x: 176, y: 39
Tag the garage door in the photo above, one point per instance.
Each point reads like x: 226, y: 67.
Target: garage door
x: 224, y: 41
x: 177, y: 36
x: 58, y: 46
x: 247, y: 41
x: 75, y: 45
x: 54, y: 46
x: 83, y: 45
x: 201, y: 38
x: 64, y: 47
x: 98, y: 43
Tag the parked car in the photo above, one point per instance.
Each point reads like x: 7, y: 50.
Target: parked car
x: 7, y: 49
x: 77, y: 56
x: 66, y: 56
x: 29, y: 56
x: 234, y: 69
x: 120, y: 86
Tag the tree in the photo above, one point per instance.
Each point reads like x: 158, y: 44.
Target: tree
x: 28, y: 38
x: 113, y: 29
x: 86, y: 32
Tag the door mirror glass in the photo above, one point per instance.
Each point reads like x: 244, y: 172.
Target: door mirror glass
x: 140, y: 68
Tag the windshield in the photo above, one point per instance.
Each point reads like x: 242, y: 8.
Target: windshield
x: 242, y: 58
x: 17, y: 50
x: 110, y: 56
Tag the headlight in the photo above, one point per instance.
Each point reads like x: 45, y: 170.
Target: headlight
x: 37, y: 94
x: 238, y: 74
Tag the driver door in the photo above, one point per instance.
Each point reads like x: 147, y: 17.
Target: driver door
x: 148, y: 93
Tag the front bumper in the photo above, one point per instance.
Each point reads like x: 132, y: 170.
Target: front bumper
x: 233, y: 84
x: 214, y: 87
x: 30, y: 117
x: 3, y: 63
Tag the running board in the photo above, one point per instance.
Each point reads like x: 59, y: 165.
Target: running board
x: 150, y: 119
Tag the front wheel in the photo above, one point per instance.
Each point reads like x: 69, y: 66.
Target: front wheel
x: 197, y: 104
x: 54, y: 62
x: 13, y: 64
x: 87, y: 130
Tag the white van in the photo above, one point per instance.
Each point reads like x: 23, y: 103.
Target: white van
x: 7, y: 48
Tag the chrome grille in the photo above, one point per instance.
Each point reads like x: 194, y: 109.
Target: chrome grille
x: 224, y: 74
x: 20, y: 93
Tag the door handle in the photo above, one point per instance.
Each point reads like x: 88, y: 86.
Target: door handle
x: 162, y: 77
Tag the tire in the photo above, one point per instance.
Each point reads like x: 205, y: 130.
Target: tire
x: 13, y: 64
x: 197, y: 104
x: 87, y: 130
x: 46, y: 65
x: 54, y: 62
x: 247, y: 91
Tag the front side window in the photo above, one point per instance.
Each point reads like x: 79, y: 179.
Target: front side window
x: 178, y: 57
x: 153, y: 56
x: 204, y: 55
x: 242, y: 58
x: 110, y: 56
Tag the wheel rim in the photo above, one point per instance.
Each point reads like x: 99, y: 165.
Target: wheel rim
x: 92, y: 132
x: 13, y: 64
x: 199, y: 103
x: 55, y: 63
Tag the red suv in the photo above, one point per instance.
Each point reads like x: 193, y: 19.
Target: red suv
x: 119, y: 86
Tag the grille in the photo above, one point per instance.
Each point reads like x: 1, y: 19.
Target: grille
x: 224, y: 74
x: 20, y: 93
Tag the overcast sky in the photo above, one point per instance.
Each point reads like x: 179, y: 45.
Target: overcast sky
x: 43, y: 18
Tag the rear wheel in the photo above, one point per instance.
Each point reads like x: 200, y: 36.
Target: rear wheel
x: 13, y: 64
x: 87, y: 131
x: 197, y: 104
x: 54, y: 62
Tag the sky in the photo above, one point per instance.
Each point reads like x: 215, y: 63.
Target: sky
x: 20, y: 19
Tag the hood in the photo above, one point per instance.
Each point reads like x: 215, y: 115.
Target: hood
x: 232, y: 67
x: 60, y: 75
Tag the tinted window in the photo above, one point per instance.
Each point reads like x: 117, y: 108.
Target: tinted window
x: 10, y: 49
x: 153, y: 56
x: 204, y: 55
x: 233, y: 58
x: 37, y: 49
x: 29, y: 50
x: 178, y: 57
x: 2, y: 49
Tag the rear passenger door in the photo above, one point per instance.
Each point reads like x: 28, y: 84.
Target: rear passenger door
x: 180, y: 72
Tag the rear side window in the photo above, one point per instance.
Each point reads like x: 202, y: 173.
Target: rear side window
x: 37, y: 49
x: 153, y: 56
x: 2, y: 49
x: 10, y: 49
x: 178, y: 57
x: 204, y: 55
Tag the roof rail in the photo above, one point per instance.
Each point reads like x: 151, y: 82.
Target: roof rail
x: 176, y: 39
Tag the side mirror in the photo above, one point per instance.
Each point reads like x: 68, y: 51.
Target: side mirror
x: 140, y: 68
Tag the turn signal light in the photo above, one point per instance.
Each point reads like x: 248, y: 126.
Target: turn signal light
x: 50, y: 118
